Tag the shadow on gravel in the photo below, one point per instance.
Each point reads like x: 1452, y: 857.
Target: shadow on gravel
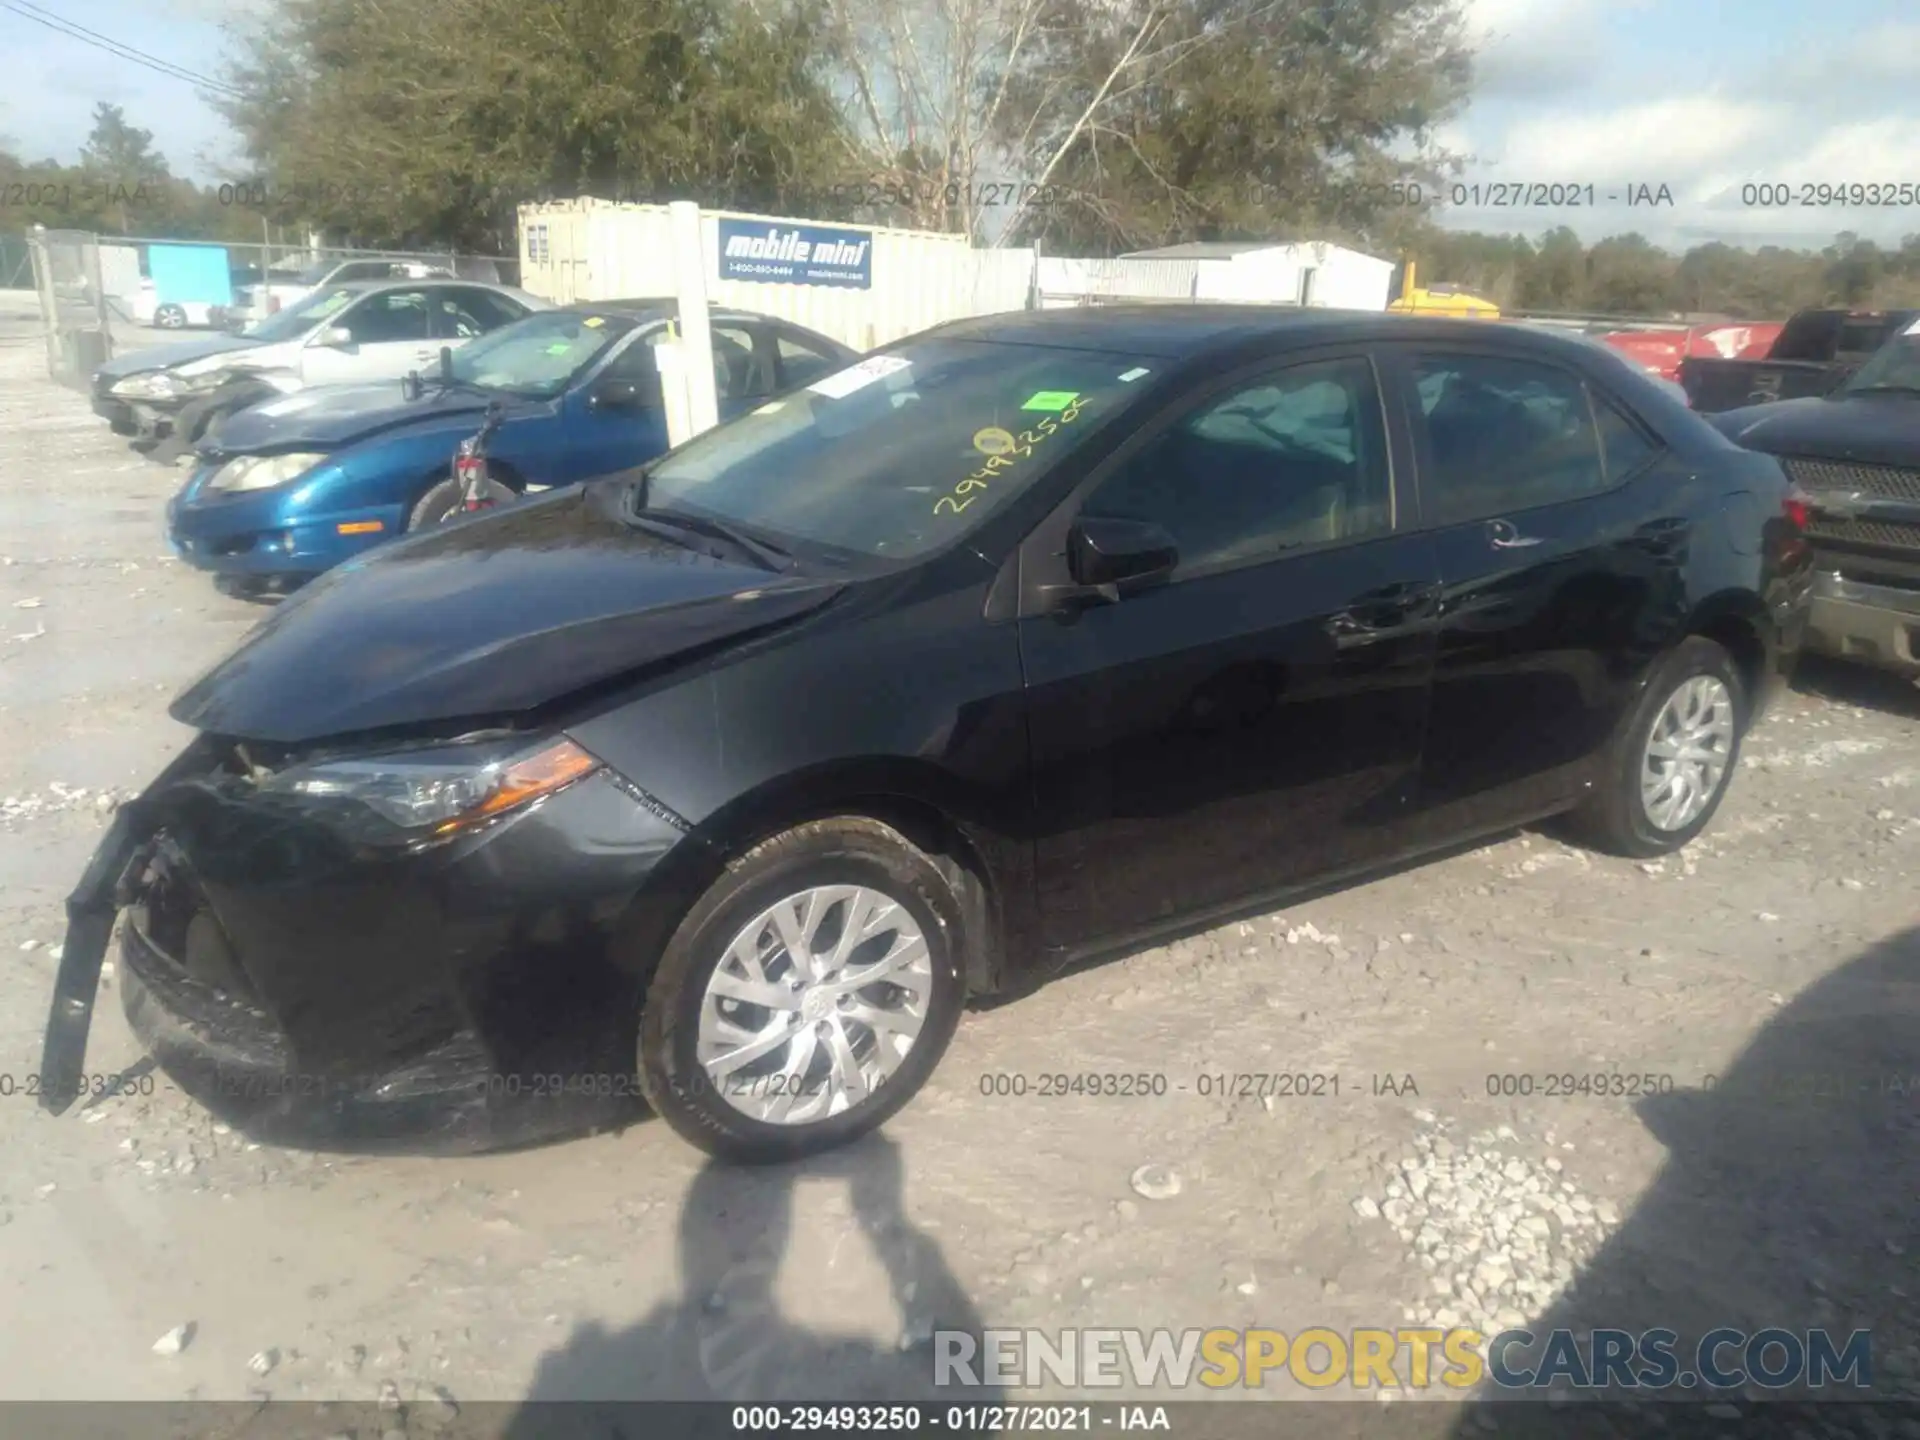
x: 1850, y: 684
x: 726, y: 1338
x: 1790, y: 1198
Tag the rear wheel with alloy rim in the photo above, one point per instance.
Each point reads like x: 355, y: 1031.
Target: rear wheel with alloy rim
x: 1673, y: 756
x: 1687, y: 752
x: 806, y: 996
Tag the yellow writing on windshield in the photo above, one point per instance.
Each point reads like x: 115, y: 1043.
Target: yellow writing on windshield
x: 1020, y: 449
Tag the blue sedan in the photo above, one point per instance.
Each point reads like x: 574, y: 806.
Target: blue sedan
x: 293, y: 486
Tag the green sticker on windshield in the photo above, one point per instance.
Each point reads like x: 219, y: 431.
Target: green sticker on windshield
x: 559, y: 347
x: 1051, y: 399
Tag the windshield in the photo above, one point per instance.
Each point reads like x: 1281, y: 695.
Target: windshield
x: 295, y: 320
x: 902, y: 452
x: 314, y: 274
x: 539, y: 355
x: 1896, y: 367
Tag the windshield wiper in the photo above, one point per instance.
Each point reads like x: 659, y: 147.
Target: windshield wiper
x: 1884, y: 390
x: 665, y: 523
x: 417, y: 383
x: 675, y: 524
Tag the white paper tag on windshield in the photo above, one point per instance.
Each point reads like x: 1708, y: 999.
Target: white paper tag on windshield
x: 1913, y: 329
x: 843, y: 383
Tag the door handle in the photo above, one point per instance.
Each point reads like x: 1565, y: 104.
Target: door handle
x: 1503, y: 535
x: 1378, y: 614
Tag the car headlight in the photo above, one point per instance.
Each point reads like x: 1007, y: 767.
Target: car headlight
x: 198, y: 382
x: 262, y: 472
x: 149, y: 385
x: 434, y: 793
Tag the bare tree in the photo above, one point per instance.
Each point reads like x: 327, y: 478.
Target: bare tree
x: 1116, y: 121
x: 947, y: 117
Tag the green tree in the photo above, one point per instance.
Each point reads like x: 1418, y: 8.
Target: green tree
x: 411, y: 124
x: 1628, y: 275
x: 1172, y: 120
x: 119, y: 151
x: 1557, y: 278
x: 1855, y: 268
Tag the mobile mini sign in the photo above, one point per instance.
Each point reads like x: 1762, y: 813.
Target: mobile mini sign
x: 773, y: 254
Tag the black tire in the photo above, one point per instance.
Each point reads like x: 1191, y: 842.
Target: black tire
x: 1615, y: 817
x: 190, y: 427
x: 846, y: 850
x: 442, y: 503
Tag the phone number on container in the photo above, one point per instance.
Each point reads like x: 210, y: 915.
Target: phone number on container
x: 982, y: 1419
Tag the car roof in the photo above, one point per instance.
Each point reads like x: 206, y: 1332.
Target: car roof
x: 368, y: 287
x: 1189, y: 331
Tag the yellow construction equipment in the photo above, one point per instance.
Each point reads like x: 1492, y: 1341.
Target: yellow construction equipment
x: 1440, y: 300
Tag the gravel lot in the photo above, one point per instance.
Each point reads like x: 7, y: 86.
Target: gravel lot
x: 1781, y: 948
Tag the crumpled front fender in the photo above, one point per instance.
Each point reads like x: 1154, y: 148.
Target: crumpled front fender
x: 91, y: 911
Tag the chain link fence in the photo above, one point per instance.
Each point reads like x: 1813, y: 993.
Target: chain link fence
x: 96, y: 295
x: 74, y: 307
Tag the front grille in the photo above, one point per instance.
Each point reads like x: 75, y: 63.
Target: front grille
x: 1865, y: 532
x: 1884, y: 481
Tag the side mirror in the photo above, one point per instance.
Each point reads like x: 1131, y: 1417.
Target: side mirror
x: 619, y: 395
x: 334, y: 337
x: 1105, y: 552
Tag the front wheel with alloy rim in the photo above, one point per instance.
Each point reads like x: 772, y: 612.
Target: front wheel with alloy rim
x: 448, y: 501
x: 807, y: 995
x: 1673, y: 756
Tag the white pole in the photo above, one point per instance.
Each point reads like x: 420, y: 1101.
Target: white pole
x: 696, y: 335
x: 670, y: 359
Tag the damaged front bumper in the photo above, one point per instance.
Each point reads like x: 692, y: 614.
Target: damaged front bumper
x: 310, y: 988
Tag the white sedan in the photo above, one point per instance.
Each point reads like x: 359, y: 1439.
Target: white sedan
x: 338, y: 334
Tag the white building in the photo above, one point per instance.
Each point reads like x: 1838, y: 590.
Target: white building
x: 1315, y: 274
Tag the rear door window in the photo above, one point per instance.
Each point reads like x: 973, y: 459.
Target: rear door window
x: 461, y: 312
x: 1504, y: 435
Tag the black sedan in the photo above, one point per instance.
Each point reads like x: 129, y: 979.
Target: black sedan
x: 725, y: 782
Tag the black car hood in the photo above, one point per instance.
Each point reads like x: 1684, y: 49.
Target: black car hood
x: 1866, y: 429
x: 329, y: 416
x: 485, y: 618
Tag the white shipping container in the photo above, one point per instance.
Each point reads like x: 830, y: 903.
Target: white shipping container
x: 576, y: 250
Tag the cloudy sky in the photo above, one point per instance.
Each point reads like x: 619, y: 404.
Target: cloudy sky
x: 1701, y: 96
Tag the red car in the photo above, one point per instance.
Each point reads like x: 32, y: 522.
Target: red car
x: 1661, y: 351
